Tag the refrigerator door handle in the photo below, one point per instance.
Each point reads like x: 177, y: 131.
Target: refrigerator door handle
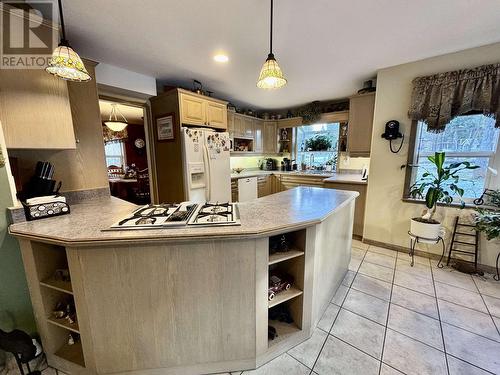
x: 206, y: 161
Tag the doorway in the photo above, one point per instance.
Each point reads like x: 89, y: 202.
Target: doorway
x: 125, y: 148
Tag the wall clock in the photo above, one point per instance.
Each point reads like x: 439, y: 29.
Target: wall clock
x: 139, y: 143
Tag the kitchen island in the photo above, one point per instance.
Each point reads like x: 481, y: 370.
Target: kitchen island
x: 190, y: 300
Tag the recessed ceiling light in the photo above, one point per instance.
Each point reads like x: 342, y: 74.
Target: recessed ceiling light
x: 221, y: 58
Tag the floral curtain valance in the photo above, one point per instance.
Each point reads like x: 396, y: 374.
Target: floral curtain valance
x: 439, y: 98
x: 112, y: 136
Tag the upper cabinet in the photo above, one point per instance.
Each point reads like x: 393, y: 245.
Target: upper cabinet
x: 270, y: 137
x: 204, y: 111
x: 289, y: 122
x: 35, y: 110
x: 359, y: 137
x: 258, y: 128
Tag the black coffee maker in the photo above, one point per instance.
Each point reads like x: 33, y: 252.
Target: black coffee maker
x: 287, y: 164
x: 270, y: 164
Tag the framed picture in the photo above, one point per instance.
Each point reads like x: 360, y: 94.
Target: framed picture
x: 165, y: 127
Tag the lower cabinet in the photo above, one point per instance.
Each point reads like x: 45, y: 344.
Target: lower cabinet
x: 288, y: 182
x: 359, y: 208
x: 234, y: 190
x: 264, y: 186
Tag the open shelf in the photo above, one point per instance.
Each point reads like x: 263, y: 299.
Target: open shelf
x: 284, y: 330
x: 285, y: 296
x: 282, y: 256
x: 63, y: 323
x: 61, y: 286
x: 72, y: 353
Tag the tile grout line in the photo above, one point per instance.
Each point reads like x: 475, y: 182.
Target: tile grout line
x: 388, y: 312
x: 336, y: 317
x: 487, y: 308
x: 440, y: 323
x: 473, y: 365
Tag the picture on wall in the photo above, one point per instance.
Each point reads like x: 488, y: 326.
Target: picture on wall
x: 165, y: 127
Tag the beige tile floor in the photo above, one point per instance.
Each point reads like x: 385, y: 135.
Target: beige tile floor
x: 389, y: 318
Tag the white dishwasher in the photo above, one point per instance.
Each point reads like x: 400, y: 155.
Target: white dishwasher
x: 247, y: 189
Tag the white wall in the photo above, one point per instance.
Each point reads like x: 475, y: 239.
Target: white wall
x: 387, y: 217
x: 125, y: 79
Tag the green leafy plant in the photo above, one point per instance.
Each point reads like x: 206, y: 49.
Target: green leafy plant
x: 488, y: 219
x: 310, y: 113
x: 318, y: 143
x: 439, y: 185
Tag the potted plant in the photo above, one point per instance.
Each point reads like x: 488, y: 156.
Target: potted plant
x: 330, y: 164
x: 488, y: 219
x: 437, y: 186
x: 318, y: 143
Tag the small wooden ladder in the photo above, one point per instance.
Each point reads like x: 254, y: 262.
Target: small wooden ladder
x: 454, y: 241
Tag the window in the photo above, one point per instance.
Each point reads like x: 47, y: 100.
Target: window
x: 471, y: 138
x: 115, y: 154
x: 317, y: 145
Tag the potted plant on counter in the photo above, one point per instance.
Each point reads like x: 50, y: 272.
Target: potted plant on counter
x: 436, y: 186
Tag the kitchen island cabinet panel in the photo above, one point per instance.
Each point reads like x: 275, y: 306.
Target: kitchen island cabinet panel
x: 192, y: 302
x: 187, y: 300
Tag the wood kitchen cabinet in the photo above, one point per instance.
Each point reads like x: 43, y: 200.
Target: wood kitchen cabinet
x: 270, y: 145
x: 216, y: 114
x: 275, y: 183
x: 258, y: 142
x: 248, y: 126
x: 359, y: 209
x: 359, y: 133
x: 264, y: 186
x: 35, y: 110
x: 199, y: 110
x: 234, y: 190
x: 290, y: 181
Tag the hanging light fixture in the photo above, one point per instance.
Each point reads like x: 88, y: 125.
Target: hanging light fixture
x: 271, y: 76
x: 114, y: 123
x: 65, y: 62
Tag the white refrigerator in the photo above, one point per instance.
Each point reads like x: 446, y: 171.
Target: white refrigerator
x: 207, y: 171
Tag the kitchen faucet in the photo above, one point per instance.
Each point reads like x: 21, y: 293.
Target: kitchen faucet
x: 311, y: 160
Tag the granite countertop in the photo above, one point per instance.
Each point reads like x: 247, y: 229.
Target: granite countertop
x: 346, y: 178
x: 85, y: 226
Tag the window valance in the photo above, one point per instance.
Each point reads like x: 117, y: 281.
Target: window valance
x: 439, y: 98
x: 112, y: 136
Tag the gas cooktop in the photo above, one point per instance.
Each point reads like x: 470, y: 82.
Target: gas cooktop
x: 180, y: 214
x: 216, y: 214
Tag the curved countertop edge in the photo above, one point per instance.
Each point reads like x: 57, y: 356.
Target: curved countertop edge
x: 28, y: 230
x: 341, y: 178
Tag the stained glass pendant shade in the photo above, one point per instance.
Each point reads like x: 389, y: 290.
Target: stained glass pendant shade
x: 115, y: 123
x: 65, y: 62
x: 271, y: 76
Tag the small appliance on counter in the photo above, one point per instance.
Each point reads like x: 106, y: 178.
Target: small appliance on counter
x: 287, y: 165
x: 40, y: 196
x: 271, y: 164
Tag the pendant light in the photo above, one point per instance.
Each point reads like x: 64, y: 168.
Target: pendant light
x: 65, y: 62
x: 114, y: 123
x: 271, y: 76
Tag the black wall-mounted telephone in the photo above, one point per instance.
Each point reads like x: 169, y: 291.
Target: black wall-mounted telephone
x: 392, y: 132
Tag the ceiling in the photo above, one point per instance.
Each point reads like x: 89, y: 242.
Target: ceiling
x: 326, y: 48
x: 134, y: 115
